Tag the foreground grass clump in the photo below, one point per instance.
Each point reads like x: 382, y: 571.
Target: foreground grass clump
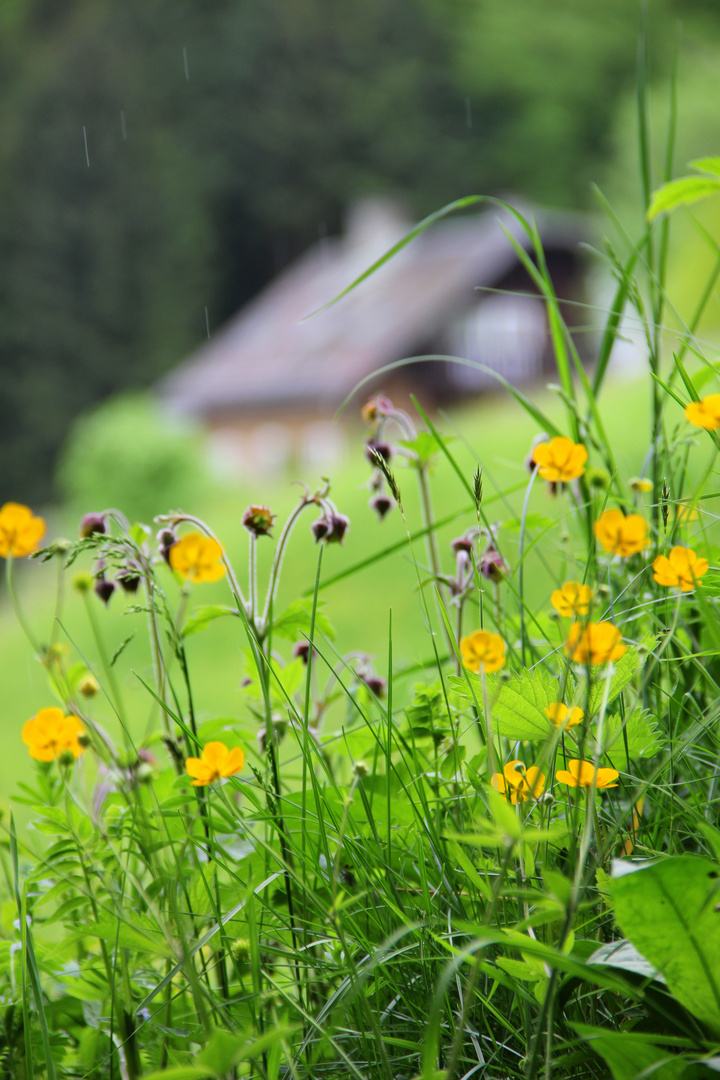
x: 511, y: 870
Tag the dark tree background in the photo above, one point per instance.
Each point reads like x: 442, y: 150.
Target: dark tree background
x: 200, y: 188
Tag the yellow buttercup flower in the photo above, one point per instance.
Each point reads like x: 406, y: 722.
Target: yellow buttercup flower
x: 572, y: 598
x: 20, y: 530
x: 581, y: 774
x: 197, y: 558
x: 563, y: 717
x: 621, y: 534
x: 681, y: 569
x: 560, y: 459
x: 704, y: 413
x: 215, y: 762
x: 50, y: 733
x: 518, y: 782
x: 595, y: 643
x: 685, y: 513
x: 641, y: 484
x: 483, y: 649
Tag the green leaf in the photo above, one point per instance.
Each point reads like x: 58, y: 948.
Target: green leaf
x: 707, y: 164
x: 668, y: 911
x: 296, y: 620
x: 630, y: 1056
x: 425, y: 445
x: 532, y: 521
x: 517, y: 705
x: 621, y: 673
x: 641, y: 732
x: 224, y: 1050
x: 204, y: 615
x: 142, y: 939
x: 682, y: 192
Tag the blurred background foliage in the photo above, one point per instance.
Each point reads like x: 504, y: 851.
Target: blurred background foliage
x: 224, y: 137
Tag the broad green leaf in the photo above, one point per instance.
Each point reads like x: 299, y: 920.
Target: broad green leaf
x: 707, y: 164
x: 296, y: 620
x: 682, y: 192
x: 142, y: 939
x: 631, y: 1056
x: 641, y: 733
x: 624, y: 955
x: 225, y: 1050
x: 517, y: 707
x: 204, y: 615
x: 425, y: 445
x: 668, y: 911
x: 621, y: 673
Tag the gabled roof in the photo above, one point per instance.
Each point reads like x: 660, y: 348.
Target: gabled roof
x: 271, y: 355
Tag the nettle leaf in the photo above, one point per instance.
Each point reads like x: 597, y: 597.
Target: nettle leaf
x: 425, y: 445
x: 204, y: 615
x: 682, y: 192
x: 641, y: 733
x: 297, y: 619
x: 668, y: 911
x: 621, y: 673
x: 517, y: 704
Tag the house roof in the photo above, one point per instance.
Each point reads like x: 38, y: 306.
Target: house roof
x: 272, y: 355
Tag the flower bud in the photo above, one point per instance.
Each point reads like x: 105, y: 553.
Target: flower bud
x: 67, y: 757
x: 92, y: 523
x: 258, y: 520
x: 383, y: 450
x: 129, y: 578
x: 360, y: 769
x: 492, y: 565
x: 83, y: 738
x: 104, y: 589
x: 375, y: 408
x: 88, y: 686
x: 375, y: 684
x: 461, y: 543
x: 82, y: 581
x: 166, y: 538
x: 597, y: 478
x: 381, y: 504
x: 320, y: 528
x: 339, y: 525
x: 301, y: 649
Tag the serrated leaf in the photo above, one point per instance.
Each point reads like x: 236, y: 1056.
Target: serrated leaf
x: 682, y: 192
x: 621, y: 673
x: 425, y: 445
x: 204, y: 615
x: 517, y: 705
x: 297, y: 619
x: 640, y: 731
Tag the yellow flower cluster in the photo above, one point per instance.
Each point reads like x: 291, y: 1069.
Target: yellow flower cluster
x: 197, y: 558
x: 215, y: 763
x: 704, y: 413
x: 51, y: 733
x: 560, y: 459
x: 681, y: 569
x: 483, y: 649
x: 622, y: 534
x: 572, y: 599
x: 519, y: 783
x: 20, y: 530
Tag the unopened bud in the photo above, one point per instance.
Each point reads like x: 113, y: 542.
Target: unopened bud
x: 82, y: 581
x: 129, y: 578
x: 258, y: 520
x: 320, y: 528
x: 384, y: 450
x: 339, y: 525
x: 84, y: 739
x: 67, y: 757
x: 301, y: 649
x: 375, y: 684
x: 597, y: 478
x: 381, y: 504
x: 375, y: 409
x: 93, y: 523
x: 166, y: 538
x: 461, y: 543
x: 492, y: 565
x: 360, y: 769
x: 88, y: 686
x: 104, y: 589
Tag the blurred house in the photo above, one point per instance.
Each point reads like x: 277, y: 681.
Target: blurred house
x: 268, y: 384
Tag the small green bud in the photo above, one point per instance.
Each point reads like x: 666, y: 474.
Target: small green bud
x: 360, y: 769
x: 83, y: 582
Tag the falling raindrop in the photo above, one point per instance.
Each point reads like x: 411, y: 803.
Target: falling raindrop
x: 207, y: 322
x: 187, y: 69
x: 468, y: 112
x: 123, y: 125
x: 87, y: 154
